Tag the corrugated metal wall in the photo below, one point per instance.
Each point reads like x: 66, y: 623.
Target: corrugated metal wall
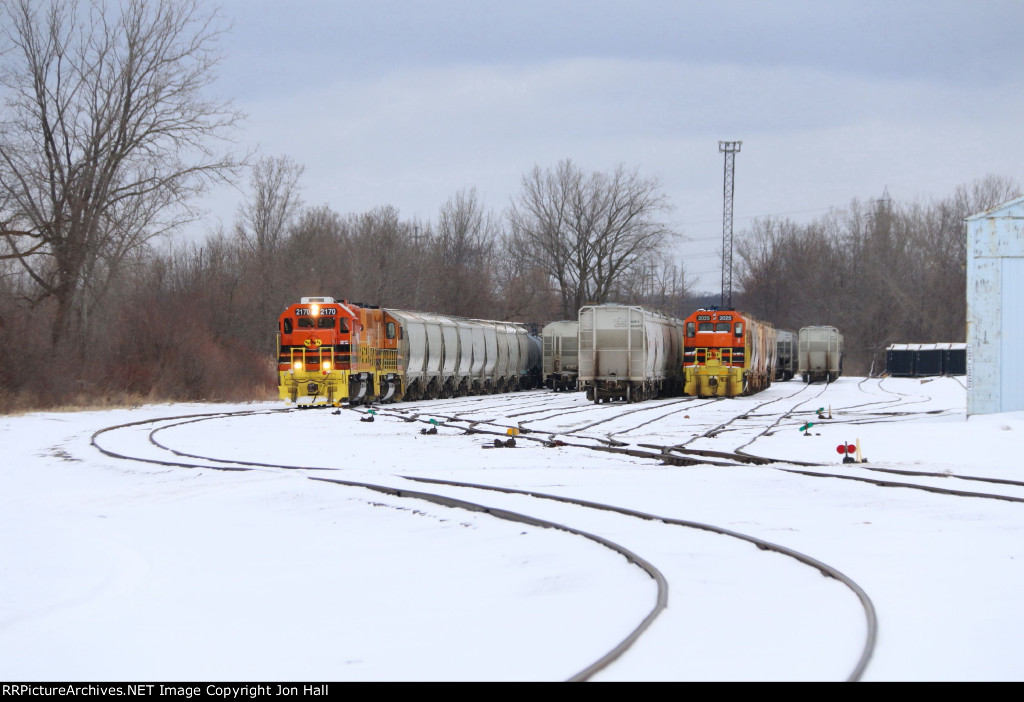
x: 995, y: 309
x: 1011, y: 372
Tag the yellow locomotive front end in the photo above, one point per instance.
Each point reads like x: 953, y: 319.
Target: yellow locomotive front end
x: 714, y: 374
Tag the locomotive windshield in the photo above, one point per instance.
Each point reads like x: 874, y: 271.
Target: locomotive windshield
x: 316, y: 323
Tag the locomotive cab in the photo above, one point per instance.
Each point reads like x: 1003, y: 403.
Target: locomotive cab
x: 315, y: 352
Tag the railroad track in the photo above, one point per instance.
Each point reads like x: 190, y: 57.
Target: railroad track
x: 159, y: 447
x: 926, y: 481
x: 579, y: 430
x: 741, y: 423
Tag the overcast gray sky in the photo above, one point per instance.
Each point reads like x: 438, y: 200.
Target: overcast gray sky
x: 404, y: 103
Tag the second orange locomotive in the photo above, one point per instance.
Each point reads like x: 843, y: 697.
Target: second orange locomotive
x: 726, y: 353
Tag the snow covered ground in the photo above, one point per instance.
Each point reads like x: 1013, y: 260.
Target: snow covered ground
x: 114, y: 569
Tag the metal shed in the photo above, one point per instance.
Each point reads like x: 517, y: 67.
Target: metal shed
x: 916, y: 360
x: 899, y: 360
x: 995, y: 309
x: 954, y: 360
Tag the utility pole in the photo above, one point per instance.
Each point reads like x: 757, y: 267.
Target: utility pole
x: 730, y: 149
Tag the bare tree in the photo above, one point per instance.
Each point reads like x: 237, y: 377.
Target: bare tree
x: 386, y: 257
x: 461, y: 256
x: 522, y: 291
x: 273, y: 203
x: 105, y: 134
x: 587, y: 231
x: 764, y: 270
x: 881, y: 271
x: 316, y: 253
x: 262, y: 225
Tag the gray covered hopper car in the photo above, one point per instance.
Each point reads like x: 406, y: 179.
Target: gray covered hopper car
x: 628, y: 353
x: 820, y: 354
x: 451, y: 356
x: 785, y: 354
x: 561, y: 355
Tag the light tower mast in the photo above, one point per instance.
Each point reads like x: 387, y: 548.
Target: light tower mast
x: 730, y: 149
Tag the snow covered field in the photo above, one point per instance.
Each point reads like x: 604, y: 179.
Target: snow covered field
x: 114, y: 569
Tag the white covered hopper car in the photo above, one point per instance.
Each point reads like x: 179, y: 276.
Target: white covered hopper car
x: 561, y: 355
x: 628, y: 353
x: 820, y: 354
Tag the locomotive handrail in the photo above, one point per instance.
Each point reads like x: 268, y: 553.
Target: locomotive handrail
x: 319, y: 353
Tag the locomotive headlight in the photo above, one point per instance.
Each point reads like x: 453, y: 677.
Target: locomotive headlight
x: 315, y: 309
x: 298, y: 365
x: 326, y: 365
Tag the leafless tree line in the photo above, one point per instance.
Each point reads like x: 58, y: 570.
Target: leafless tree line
x: 107, y: 135
x: 883, y: 272
x: 105, y: 139
x: 595, y: 235
x: 196, y: 321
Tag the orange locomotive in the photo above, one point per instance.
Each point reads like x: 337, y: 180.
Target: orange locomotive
x: 332, y: 351
x: 727, y: 353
